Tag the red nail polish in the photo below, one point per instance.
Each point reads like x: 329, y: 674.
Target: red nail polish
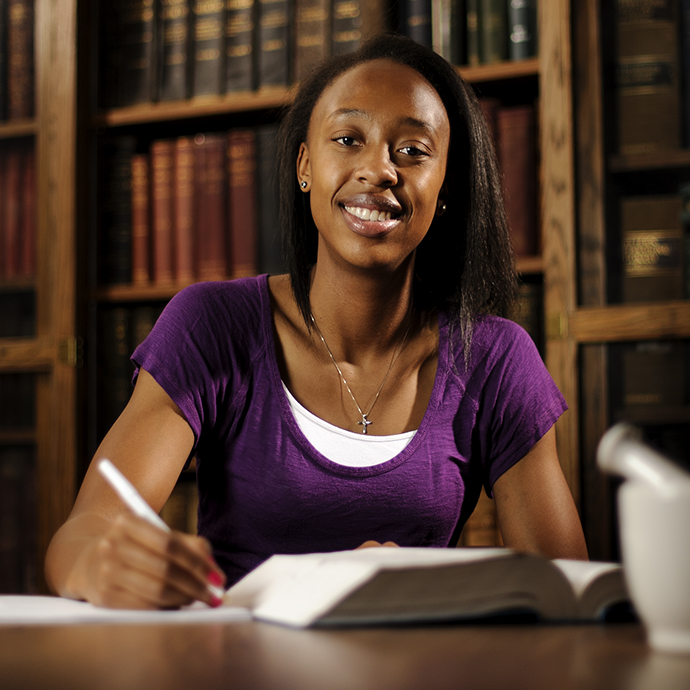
x: 216, y: 602
x: 215, y: 579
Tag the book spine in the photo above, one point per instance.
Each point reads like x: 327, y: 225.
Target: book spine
x: 242, y: 203
x: 685, y: 69
x: 142, y: 320
x: 473, y: 33
x: 210, y: 181
x: 240, y: 39
x: 494, y: 28
x: 458, y: 32
x: 141, y: 219
x: 3, y: 238
x: 517, y: 155
x: 137, y: 23
x: 647, y: 76
x: 208, y: 47
x: 440, y: 27
x: 27, y: 257
x: 274, y: 49
x: 183, y: 210
x: 3, y: 60
x: 521, y: 29
x: 312, y: 34
x: 115, y: 246
x: 346, y: 26
x: 161, y: 212
x: 652, y: 248
x: 174, y: 39
x: 417, y: 21
x: 12, y: 207
x: 269, y: 250
x: 20, y: 59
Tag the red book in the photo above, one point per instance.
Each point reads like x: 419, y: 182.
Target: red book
x: 242, y: 220
x: 183, y: 210
x: 210, y: 188
x: 12, y: 195
x: 517, y: 153
x: 27, y: 255
x: 20, y: 59
x: 162, y: 153
x: 141, y: 220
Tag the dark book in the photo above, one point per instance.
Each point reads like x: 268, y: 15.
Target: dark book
x: 685, y: 222
x: 17, y: 314
x: 162, y: 156
x: 110, y: 55
x: 494, y: 28
x: 516, y: 134
x: 11, y: 211
x: 17, y: 401
x: 242, y: 203
x: 115, y: 369
x: 685, y: 70
x: 137, y: 46
x: 174, y: 49
x: 208, y: 47
x: 448, y: 29
x: 141, y: 219
x: 20, y: 59
x: 27, y: 256
x: 115, y: 238
x: 240, y: 41
x: 415, y: 21
x: 522, y: 29
x: 652, y: 248
x: 274, y: 42
x: 210, y: 189
x: 142, y: 321
x: 490, y: 107
x: 183, y: 211
x: 3, y: 59
x: 269, y: 246
x: 647, y: 76
x: 312, y: 34
x: 472, y: 33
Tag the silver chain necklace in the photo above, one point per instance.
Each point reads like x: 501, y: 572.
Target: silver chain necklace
x: 365, y: 415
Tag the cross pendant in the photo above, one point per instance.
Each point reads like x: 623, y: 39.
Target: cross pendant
x: 364, y: 423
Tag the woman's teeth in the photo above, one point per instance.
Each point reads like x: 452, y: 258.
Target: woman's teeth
x: 368, y: 214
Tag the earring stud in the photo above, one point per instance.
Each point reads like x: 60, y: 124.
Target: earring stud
x: 303, y: 184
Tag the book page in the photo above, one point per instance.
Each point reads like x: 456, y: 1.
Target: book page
x: 47, y: 610
x: 582, y: 573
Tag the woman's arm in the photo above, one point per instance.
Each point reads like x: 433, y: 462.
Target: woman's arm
x: 536, y: 511
x: 108, y: 556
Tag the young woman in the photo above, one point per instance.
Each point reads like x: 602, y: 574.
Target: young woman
x: 364, y: 398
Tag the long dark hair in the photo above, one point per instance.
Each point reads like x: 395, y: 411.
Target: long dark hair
x: 464, y: 266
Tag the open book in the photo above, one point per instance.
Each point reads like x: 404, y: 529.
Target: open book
x: 389, y: 585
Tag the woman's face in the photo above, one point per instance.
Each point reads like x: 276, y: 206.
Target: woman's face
x: 375, y: 163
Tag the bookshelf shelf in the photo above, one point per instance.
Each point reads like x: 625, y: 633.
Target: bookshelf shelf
x: 17, y: 437
x: 500, y: 70
x: 530, y: 265
x: 18, y: 128
x: 27, y: 354
x: 651, y: 161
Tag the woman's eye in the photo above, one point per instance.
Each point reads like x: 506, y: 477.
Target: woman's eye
x: 346, y: 141
x: 412, y: 151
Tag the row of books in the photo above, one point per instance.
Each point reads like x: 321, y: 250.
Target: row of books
x: 17, y: 401
x: 167, y: 50
x: 472, y: 32
x: 186, y: 209
x: 16, y: 59
x: 19, y: 573
x: 17, y: 210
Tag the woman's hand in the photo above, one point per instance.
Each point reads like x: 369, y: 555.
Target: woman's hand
x: 138, y: 566
x: 371, y: 543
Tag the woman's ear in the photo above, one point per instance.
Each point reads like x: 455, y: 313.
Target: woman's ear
x: 303, y: 168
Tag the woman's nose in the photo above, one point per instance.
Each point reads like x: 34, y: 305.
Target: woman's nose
x: 377, y: 168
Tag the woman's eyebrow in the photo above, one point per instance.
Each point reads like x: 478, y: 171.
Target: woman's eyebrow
x: 406, y: 120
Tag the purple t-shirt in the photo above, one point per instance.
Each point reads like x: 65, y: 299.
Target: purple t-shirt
x: 263, y: 488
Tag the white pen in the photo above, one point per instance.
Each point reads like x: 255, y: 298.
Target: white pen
x: 133, y: 500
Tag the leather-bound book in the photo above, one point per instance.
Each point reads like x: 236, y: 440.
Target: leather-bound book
x: 473, y: 33
x: 3, y: 60
x: 647, y: 76
x: 242, y: 203
x: 652, y: 248
x: 522, y: 29
x: 20, y: 59
x: 415, y: 21
x: 137, y: 48
x: 494, y: 28
x: 448, y: 29
x: 517, y: 155
x: 27, y: 254
x: 162, y: 152
x: 208, y: 47
x: 12, y: 209
x: 173, y: 42
x: 312, y: 34
x: 183, y: 211
x: 274, y: 42
x: 269, y: 246
x: 141, y: 219
x: 240, y: 40
x: 210, y: 184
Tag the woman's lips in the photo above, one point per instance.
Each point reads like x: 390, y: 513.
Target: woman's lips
x: 369, y: 222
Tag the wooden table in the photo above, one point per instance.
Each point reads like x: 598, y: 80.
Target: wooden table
x: 263, y: 657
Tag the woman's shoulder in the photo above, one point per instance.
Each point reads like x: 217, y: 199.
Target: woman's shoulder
x: 492, y: 336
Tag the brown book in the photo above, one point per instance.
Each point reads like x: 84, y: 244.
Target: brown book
x: 242, y: 219
x: 517, y: 155
x: 208, y: 65
x: 136, y: 48
x: 648, y: 76
x: 162, y: 152
x: 652, y: 248
x: 141, y: 219
x: 12, y: 208
x: 173, y: 44
x: 210, y: 183
x: 490, y: 107
x: 27, y: 252
x: 312, y: 35
x: 20, y: 62
x: 240, y: 48
x: 183, y: 211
